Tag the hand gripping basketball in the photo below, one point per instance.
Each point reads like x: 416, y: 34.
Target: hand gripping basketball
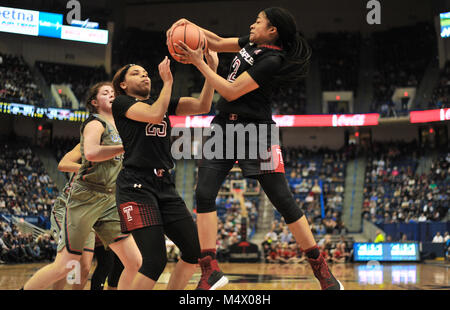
x: 189, y: 34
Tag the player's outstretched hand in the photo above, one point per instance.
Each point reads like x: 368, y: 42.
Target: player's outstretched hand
x: 188, y: 55
x: 181, y: 21
x: 164, y: 70
x: 212, y: 59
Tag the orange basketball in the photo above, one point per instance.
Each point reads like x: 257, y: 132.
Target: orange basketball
x: 190, y: 34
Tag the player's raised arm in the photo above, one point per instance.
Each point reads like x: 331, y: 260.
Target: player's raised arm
x: 230, y: 91
x: 201, y: 105
x: 137, y: 83
x: 70, y: 161
x: 215, y: 42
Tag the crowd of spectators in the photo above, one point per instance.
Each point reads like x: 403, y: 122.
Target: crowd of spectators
x: 78, y: 78
x: 317, y: 180
x: 16, y: 247
x: 230, y: 213
x: 441, y: 93
x: 17, y: 83
x: 25, y: 187
x: 395, y: 193
x: 398, y: 65
x: 280, y: 247
x: 62, y: 145
x: 290, y: 101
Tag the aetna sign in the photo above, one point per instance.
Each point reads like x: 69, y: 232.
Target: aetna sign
x: 19, y: 21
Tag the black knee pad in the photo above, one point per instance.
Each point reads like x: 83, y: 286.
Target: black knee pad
x: 191, y: 256
x: 151, y: 244
x: 277, y: 189
x: 288, y: 209
x: 206, y: 202
x: 185, y: 236
x: 208, y: 185
x: 152, y: 267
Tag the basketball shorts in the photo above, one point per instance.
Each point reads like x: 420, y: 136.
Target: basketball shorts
x: 57, y: 222
x: 148, y: 199
x: 86, y: 210
x: 254, y: 147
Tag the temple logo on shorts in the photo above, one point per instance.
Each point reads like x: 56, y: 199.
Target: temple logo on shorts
x: 127, y: 210
x: 137, y: 185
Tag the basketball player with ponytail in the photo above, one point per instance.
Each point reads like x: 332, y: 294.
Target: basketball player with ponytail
x: 274, y: 55
x: 91, y: 201
x: 148, y: 202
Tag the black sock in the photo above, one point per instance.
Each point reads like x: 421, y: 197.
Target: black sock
x: 313, y: 252
x: 208, y: 252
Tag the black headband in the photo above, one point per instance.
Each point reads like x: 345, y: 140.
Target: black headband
x: 124, y: 72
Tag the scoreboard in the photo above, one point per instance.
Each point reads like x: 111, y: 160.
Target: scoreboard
x: 408, y: 251
x: 49, y: 113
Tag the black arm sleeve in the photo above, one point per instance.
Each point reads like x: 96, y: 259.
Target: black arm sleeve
x: 173, y: 104
x: 265, y: 68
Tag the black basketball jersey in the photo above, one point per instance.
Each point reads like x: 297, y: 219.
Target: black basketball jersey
x: 261, y: 63
x: 146, y: 145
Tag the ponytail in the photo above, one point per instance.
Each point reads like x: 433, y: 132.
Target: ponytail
x: 297, y: 50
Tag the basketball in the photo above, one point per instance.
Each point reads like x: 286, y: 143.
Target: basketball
x: 190, y: 34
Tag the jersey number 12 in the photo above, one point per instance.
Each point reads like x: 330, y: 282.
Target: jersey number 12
x: 235, y: 66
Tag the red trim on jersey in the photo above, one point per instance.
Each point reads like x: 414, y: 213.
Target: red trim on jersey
x: 71, y: 183
x: 274, y: 47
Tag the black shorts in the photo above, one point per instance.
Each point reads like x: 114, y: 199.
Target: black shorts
x: 250, y: 165
x: 145, y: 199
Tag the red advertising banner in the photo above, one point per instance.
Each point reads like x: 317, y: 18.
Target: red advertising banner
x: 326, y: 120
x: 437, y: 115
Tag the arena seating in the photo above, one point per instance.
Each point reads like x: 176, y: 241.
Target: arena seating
x: 16, y: 247
x: 26, y: 189
x: 399, y: 65
x: 394, y: 193
x: 317, y: 180
x: 62, y: 145
x: 80, y: 78
x: 441, y: 92
x: 17, y: 83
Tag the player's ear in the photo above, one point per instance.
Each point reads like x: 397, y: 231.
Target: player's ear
x: 273, y: 31
x: 123, y: 85
x: 94, y: 103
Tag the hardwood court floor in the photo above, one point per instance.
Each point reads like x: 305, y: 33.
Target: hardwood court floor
x: 256, y: 276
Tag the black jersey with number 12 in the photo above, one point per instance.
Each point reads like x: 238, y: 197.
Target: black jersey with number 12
x: 146, y: 145
x: 261, y: 63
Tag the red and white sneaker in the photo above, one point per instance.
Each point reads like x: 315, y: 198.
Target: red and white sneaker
x: 212, y: 277
x: 324, y: 275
